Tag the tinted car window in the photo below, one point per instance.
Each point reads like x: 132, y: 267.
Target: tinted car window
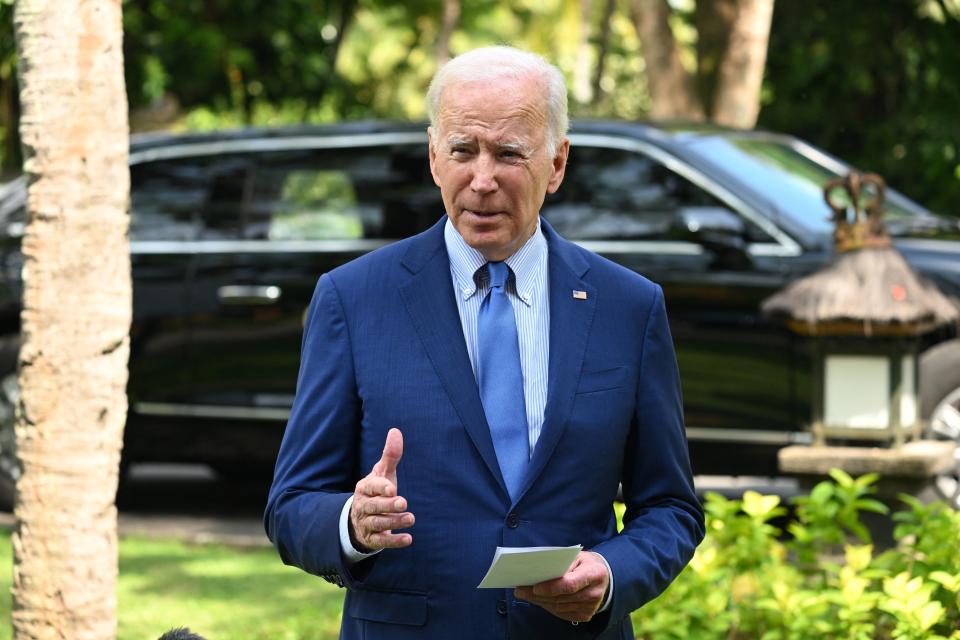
x: 614, y: 194
x: 224, y: 213
x: 382, y: 192
x: 166, y: 198
x: 327, y: 194
x: 782, y: 173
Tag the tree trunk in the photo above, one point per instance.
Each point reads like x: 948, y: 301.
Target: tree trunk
x: 737, y: 98
x: 714, y: 21
x: 449, y: 20
x: 671, y: 87
x: 75, y: 318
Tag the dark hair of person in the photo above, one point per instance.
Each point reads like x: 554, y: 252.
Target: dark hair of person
x: 180, y: 633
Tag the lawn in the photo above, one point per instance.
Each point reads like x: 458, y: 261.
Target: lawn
x: 220, y: 592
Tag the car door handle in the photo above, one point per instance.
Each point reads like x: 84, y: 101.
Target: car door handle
x: 248, y: 294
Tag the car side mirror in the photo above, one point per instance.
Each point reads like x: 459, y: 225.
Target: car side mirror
x: 718, y: 229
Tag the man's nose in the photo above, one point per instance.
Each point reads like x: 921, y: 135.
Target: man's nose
x: 484, y: 174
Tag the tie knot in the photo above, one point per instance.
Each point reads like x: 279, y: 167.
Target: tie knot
x: 498, y: 272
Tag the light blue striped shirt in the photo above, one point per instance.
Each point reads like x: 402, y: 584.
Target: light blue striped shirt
x: 531, y: 307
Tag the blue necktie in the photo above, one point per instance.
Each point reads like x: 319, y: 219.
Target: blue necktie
x: 501, y: 379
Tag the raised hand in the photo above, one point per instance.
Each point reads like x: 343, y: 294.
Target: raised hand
x: 377, y: 508
x: 577, y: 594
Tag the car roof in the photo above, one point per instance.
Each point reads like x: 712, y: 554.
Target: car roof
x: 669, y: 134
x: 140, y: 141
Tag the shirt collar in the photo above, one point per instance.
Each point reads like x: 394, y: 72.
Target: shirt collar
x: 525, y: 262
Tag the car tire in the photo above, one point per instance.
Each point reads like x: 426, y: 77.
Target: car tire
x: 940, y: 407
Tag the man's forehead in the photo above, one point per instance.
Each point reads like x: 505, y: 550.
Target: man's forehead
x: 508, y: 141
x: 491, y: 101
x: 518, y: 126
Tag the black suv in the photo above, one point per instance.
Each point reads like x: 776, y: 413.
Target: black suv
x: 229, y: 232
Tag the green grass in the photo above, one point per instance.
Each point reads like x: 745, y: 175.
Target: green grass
x: 217, y: 591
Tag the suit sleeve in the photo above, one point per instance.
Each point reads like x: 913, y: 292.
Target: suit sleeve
x: 316, y: 468
x: 663, y: 523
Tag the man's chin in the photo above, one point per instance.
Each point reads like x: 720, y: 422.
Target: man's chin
x: 494, y: 247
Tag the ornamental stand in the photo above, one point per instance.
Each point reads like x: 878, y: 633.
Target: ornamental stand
x: 862, y: 317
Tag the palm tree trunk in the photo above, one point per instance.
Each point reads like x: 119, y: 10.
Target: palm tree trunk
x: 75, y: 318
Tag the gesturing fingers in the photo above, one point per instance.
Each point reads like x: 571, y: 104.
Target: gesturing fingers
x: 371, y: 506
x: 376, y: 486
x: 373, y: 520
x: 377, y: 508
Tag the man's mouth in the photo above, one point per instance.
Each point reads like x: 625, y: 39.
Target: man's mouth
x: 482, y: 214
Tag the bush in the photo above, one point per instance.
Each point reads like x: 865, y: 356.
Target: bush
x: 823, y: 580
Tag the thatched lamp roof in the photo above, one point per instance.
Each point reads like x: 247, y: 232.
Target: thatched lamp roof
x: 868, y: 288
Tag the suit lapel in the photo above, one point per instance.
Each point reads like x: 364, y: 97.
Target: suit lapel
x: 428, y: 297
x: 570, y: 322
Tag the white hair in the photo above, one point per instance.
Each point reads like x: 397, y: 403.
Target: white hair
x: 495, y: 63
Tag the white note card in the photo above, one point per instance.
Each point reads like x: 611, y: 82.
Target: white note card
x: 524, y: 566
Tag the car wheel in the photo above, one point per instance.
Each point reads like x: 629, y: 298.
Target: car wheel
x: 9, y: 467
x: 940, y: 405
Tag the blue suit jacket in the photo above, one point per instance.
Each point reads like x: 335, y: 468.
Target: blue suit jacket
x: 383, y: 347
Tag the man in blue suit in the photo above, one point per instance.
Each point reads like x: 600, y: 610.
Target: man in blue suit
x: 487, y: 383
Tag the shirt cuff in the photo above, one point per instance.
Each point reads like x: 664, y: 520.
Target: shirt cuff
x: 350, y: 555
x: 609, y: 598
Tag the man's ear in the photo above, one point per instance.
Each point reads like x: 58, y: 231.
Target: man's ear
x: 559, y: 166
x: 432, y: 151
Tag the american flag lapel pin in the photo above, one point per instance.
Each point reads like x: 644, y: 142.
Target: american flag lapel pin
x: 579, y: 295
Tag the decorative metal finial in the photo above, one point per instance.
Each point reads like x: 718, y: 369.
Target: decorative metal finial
x: 865, y: 227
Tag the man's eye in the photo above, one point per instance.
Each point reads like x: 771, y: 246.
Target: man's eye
x: 507, y: 154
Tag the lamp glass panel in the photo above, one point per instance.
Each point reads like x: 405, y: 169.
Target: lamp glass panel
x: 908, y: 392
x: 857, y: 391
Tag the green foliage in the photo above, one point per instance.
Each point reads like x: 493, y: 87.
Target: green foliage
x: 876, y: 87
x: 231, y: 53
x: 824, y: 580
x: 831, y: 513
x: 925, y: 528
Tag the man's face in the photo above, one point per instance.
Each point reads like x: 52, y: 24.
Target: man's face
x: 490, y: 159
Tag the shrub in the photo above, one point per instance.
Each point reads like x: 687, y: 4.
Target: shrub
x: 821, y: 579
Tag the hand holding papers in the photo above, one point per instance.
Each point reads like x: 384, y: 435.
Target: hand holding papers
x: 521, y: 566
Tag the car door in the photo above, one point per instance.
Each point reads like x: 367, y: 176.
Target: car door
x: 636, y: 205
x: 278, y: 218
x: 165, y: 198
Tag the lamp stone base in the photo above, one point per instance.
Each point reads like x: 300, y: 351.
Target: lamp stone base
x: 909, y: 469
x: 920, y: 459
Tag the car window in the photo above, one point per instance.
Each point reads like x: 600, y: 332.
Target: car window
x: 615, y: 194
x: 165, y: 198
x: 336, y: 194
x: 784, y: 174
x: 383, y: 192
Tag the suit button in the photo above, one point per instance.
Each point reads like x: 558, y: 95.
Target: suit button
x: 513, y: 521
x: 502, y: 607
